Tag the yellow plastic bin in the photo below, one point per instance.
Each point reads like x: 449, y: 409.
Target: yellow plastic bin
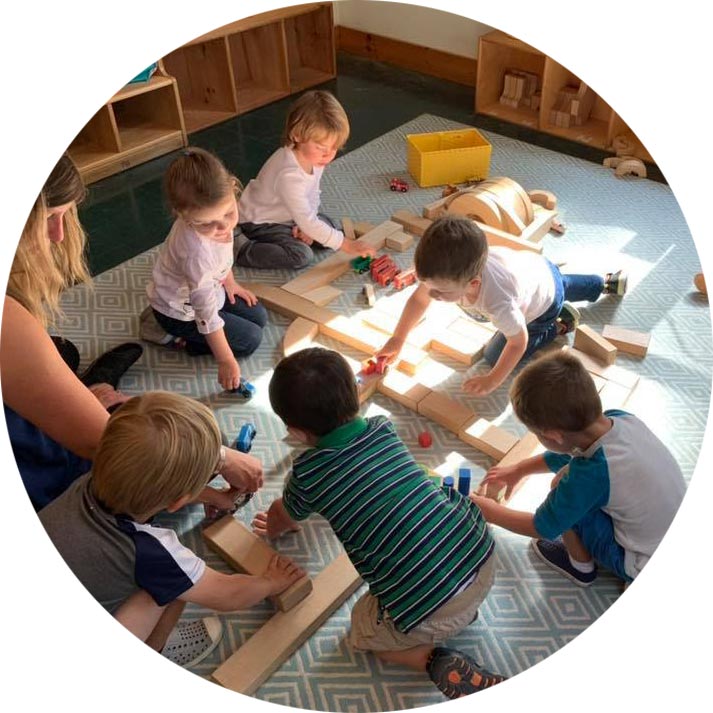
x: 447, y: 157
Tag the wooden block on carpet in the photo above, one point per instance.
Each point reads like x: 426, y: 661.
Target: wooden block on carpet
x: 348, y: 228
x: 250, y: 554
x: 611, y: 372
x: 299, y: 335
x: 442, y: 409
x: 322, y: 295
x: 269, y: 647
x: 627, y: 340
x: 526, y: 447
x: 362, y: 227
x: 592, y: 343
x: 414, y: 224
x: 403, y: 388
x: 288, y: 304
x: 492, y: 440
x: 399, y: 241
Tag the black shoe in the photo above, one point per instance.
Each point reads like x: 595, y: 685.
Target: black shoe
x: 68, y: 351
x: 456, y: 674
x: 112, y: 365
x: 615, y: 283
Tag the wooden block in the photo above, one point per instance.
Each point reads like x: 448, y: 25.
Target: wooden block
x: 403, y: 388
x: 444, y: 410
x: 500, y: 237
x: 399, y: 241
x: 465, y: 350
x: 348, y: 228
x: 361, y: 227
x: 354, y: 333
x: 410, y: 358
x: 472, y: 328
x: 322, y: 295
x: 269, y: 647
x: 612, y: 372
x: 526, y: 447
x: 627, y: 340
x: 492, y: 440
x: 369, y: 294
x: 590, y: 342
x: 614, y: 395
x: 492, y: 491
x: 299, y: 335
x: 544, y: 198
x: 631, y: 166
x: 288, y: 304
x: 541, y: 224
x: 414, y: 224
x: 250, y: 554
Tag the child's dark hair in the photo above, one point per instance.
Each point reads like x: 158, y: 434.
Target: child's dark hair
x: 314, y: 390
x: 556, y: 392
x: 197, y: 179
x: 452, y: 248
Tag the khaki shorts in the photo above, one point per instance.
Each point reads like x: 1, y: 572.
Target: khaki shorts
x: 370, y: 634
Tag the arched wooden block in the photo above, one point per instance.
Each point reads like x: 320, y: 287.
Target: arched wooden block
x: 518, y: 195
x: 546, y: 199
x: 299, y: 335
x: 478, y: 206
x: 631, y: 166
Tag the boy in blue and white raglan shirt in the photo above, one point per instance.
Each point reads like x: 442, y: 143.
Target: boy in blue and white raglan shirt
x: 617, y: 486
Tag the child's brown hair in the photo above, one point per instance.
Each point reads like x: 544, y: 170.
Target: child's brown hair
x: 556, y: 393
x: 452, y: 248
x: 156, y: 448
x: 314, y: 116
x: 314, y: 390
x: 198, y: 179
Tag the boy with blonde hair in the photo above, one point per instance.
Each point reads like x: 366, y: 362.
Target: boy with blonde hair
x: 426, y: 554
x: 522, y: 293
x: 279, y: 209
x: 617, y: 487
x: 158, y: 452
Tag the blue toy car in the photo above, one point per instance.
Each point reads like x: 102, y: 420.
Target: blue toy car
x: 244, y: 441
x: 246, y: 389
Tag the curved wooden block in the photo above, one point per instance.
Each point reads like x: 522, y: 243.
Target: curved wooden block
x: 477, y: 206
x: 544, y: 198
x: 522, y: 202
x: 508, y: 204
x: 631, y: 166
x: 299, y: 335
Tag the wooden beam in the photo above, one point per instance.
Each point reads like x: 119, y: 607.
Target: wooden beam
x: 269, y: 647
x: 441, y: 408
x: 287, y: 304
x: 627, y: 340
x: 322, y: 295
x: 414, y: 224
x: 588, y: 341
x: 484, y: 436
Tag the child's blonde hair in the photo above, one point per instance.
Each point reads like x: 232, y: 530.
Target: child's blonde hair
x: 41, y: 270
x: 314, y: 116
x: 198, y: 179
x: 156, y: 448
x: 556, y: 393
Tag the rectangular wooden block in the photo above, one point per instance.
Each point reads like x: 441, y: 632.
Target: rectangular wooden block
x: 492, y: 440
x: 403, y: 388
x: 414, y: 224
x: 465, y: 350
x: 444, y: 410
x: 361, y: 227
x: 269, y: 647
x: 410, y: 359
x: 354, y: 333
x: 348, y: 228
x: 322, y: 295
x: 627, y: 340
x: 472, y: 329
x: 288, y: 304
x: 249, y: 554
x: 588, y: 341
x: 611, y: 372
x: 399, y: 241
x: 526, y: 447
x: 492, y: 491
x: 369, y: 294
x: 501, y: 237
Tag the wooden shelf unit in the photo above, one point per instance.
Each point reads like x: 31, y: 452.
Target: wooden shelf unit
x: 252, y: 62
x: 140, y: 122
x: 499, y: 53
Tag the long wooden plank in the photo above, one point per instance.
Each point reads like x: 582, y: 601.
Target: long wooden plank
x: 266, y: 650
x: 289, y: 305
x: 414, y: 224
x: 250, y: 554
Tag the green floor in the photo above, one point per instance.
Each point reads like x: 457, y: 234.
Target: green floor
x: 125, y: 214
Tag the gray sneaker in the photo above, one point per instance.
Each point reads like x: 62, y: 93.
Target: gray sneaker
x: 615, y: 283
x: 568, y: 318
x: 191, y: 641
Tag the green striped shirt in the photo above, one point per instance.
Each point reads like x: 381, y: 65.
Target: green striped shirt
x: 414, y: 544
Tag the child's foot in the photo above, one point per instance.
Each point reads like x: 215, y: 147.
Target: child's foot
x: 456, y: 674
x: 568, y: 319
x: 700, y: 282
x: 615, y: 283
x: 191, y: 641
x: 554, y: 554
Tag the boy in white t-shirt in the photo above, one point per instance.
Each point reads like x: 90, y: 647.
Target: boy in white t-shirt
x: 279, y: 209
x: 522, y: 293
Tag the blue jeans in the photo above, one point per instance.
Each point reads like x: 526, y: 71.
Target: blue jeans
x: 541, y: 331
x: 243, y: 328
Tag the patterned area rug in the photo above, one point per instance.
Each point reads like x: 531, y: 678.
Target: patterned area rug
x: 531, y: 612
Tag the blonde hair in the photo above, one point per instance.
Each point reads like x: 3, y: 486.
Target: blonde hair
x: 41, y: 270
x: 198, y: 179
x: 314, y: 115
x: 156, y: 448
x: 556, y: 392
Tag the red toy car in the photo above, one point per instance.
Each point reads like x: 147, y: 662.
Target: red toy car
x: 383, y: 270
x: 404, y: 278
x: 396, y: 184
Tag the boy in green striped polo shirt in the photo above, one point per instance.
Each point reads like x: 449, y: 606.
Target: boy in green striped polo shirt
x: 425, y: 553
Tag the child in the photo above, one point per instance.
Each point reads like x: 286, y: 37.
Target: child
x: 522, y: 293
x: 279, y: 209
x: 617, y: 487
x: 158, y: 451
x: 193, y: 293
x: 426, y: 554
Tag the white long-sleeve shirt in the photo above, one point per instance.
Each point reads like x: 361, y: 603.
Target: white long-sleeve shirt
x: 284, y: 192
x: 188, y: 277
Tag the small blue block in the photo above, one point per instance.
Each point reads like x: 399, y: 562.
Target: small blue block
x: 464, y: 481
x: 448, y: 483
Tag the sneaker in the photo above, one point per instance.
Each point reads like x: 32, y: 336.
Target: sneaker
x: 191, y: 641
x: 615, y: 283
x: 568, y: 318
x: 456, y: 674
x: 112, y: 365
x: 151, y: 331
x: 554, y: 554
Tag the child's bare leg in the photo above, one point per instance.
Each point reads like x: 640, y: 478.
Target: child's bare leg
x: 169, y: 618
x: 575, y: 548
x: 416, y: 658
x: 140, y: 614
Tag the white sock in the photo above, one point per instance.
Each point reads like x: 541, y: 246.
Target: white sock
x: 583, y: 567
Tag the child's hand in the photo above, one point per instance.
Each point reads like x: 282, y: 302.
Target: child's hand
x: 233, y: 290
x: 266, y: 526
x: 107, y: 395
x: 299, y: 235
x: 486, y: 505
x: 357, y: 247
x: 242, y: 471
x: 229, y: 373
x: 501, y: 476
x: 281, y: 573
x: 390, y: 350
x: 480, y: 385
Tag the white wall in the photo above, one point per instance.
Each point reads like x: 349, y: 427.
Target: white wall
x: 412, y: 23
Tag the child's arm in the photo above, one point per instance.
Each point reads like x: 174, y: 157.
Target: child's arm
x: 228, y: 367
x: 415, y: 308
x: 229, y: 592
x: 274, y: 522
x: 518, y: 521
x: 233, y: 290
x: 483, y: 384
x: 510, y: 476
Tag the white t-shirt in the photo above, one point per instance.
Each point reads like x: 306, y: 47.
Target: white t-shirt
x: 188, y: 277
x: 517, y: 287
x: 284, y: 192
